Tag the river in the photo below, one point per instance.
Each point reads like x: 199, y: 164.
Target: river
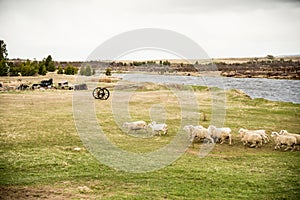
x: 271, y: 89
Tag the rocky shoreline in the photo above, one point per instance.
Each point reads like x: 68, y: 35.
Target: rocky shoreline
x: 276, y: 69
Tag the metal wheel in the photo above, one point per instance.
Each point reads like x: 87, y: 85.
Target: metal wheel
x: 101, y: 93
x: 104, y: 94
x: 96, y: 92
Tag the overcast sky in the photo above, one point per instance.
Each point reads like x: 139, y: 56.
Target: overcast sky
x: 72, y: 29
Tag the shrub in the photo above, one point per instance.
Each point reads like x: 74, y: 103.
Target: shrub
x: 108, y: 72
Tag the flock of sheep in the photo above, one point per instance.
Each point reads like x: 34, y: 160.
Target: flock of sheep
x: 212, y: 134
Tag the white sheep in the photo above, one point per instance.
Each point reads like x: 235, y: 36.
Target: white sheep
x: 197, y: 133
x: 220, y: 133
x: 262, y: 133
x: 252, y: 138
x: 280, y: 140
x: 297, y: 136
x: 157, y: 128
x: 136, y: 125
x: 189, y: 129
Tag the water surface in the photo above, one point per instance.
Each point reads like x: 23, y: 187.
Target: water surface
x: 271, y: 89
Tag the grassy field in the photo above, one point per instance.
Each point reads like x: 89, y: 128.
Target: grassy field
x: 38, y: 160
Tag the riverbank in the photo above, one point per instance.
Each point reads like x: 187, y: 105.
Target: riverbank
x: 272, y: 70
x: 263, y: 67
x: 271, y: 89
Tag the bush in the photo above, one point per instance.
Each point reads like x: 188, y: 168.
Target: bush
x: 3, y: 68
x: 108, y: 72
x: 70, y: 70
x: 87, y: 71
x: 60, y: 70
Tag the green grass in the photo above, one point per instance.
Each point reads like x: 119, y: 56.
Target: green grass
x: 38, y: 137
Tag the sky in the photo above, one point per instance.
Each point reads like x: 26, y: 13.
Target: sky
x: 69, y: 30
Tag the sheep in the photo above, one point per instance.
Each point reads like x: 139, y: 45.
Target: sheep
x: 197, y: 133
x: 252, y: 138
x: 157, y: 128
x: 190, y: 128
x: 136, y: 125
x: 297, y: 136
x: 262, y: 133
x: 280, y: 140
x: 222, y: 133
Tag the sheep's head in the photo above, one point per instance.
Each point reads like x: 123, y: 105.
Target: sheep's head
x: 186, y: 128
x: 242, y: 130
x: 273, y: 134
x: 211, y: 128
x: 153, y: 122
x: 283, y: 132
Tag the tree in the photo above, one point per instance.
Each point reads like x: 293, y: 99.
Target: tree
x: 4, y: 68
x: 49, y: 63
x: 70, y: 70
x: 270, y: 57
x: 166, y: 63
x: 88, y: 71
x: 108, y: 72
x: 85, y: 71
x: 14, y: 68
x: 60, y: 70
x: 42, y: 68
x: 82, y: 70
x: 29, y: 69
x: 3, y: 50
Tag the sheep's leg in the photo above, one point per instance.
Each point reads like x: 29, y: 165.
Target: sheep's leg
x: 222, y: 140
x: 149, y: 133
x: 253, y: 145
x: 288, y: 147
x: 294, y: 146
x: 157, y: 133
x: 230, y: 141
x: 265, y: 141
x: 153, y: 133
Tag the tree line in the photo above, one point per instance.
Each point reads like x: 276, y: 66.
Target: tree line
x: 30, y: 68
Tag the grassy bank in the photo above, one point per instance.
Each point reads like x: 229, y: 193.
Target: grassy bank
x: 38, y: 160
